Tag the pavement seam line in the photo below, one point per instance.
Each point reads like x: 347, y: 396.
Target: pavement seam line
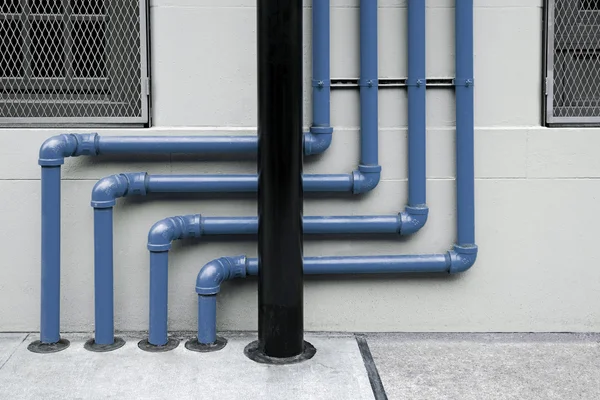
x: 14, y: 351
x: 374, y: 378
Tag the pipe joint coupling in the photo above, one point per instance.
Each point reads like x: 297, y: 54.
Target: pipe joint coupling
x: 217, y: 271
x: 412, y: 219
x: 366, y: 178
x: 136, y: 183
x: 164, y: 232
x: 462, y: 258
x: 108, y: 189
x: 317, y: 140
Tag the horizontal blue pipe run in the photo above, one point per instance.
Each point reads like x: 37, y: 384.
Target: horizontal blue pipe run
x: 241, y: 183
x: 177, y: 144
x: 369, y: 264
x: 312, y: 225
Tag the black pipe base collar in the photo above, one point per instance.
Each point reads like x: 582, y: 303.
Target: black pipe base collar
x: 103, y: 348
x: 195, y: 345
x: 45, y: 348
x: 152, y: 348
x: 253, y: 352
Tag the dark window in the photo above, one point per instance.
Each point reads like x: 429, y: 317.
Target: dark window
x: 72, y: 61
x: 573, y: 62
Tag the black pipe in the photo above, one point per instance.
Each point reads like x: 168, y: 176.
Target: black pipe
x: 280, y: 195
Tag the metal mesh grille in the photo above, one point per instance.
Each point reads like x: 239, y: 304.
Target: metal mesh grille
x: 576, y: 61
x: 76, y: 60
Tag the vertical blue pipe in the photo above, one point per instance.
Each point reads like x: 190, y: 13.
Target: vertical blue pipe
x: 50, y: 300
x: 465, y: 174
x: 207, y: 317
x: 321, y: 64
x: 417, y: 117
x: 159, y: 297
x: 368, y: 83
x: 103, y: 275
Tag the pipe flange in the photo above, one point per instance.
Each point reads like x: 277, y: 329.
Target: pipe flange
x: 253, y: 352
x: 194, y: 345
x: 103, y: 348
x: 152, y: 348
x: 45, y: 348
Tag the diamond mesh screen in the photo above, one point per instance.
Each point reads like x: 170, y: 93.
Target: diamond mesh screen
x: 576, y: 60
x: 76, y: 60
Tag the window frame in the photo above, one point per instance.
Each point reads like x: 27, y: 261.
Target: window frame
x: 85, y: 121
x: 549, y: 117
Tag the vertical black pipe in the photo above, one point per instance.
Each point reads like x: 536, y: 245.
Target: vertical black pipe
x: 280, y: 195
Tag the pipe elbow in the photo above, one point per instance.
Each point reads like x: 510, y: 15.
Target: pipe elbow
x: 163, y: 232
x: 412, y: 219
x: 461, y: 258
x: 108, y: 189
x: 54, y: 150
x: 217, y: 271
x: 366, y: 178
x: 317, y: 140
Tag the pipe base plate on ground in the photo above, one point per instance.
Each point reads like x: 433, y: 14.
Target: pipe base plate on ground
x: 195, y: 345
x: 253, y: 352
x: 147, y: 346
x: 39, y: 347
x: 102, y: 348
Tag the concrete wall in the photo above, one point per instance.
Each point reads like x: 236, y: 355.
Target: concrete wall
x: 536, y: 188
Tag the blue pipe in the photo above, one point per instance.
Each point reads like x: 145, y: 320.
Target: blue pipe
x: 369, y: 83
x: 158, y: 278
x: 103, y: 279
x: 464, y: 253
x: 54, y: 151
x: 321, y: 80
x: 164, y: 232
x: 417, y: 116
x: 465, y: 126
x: 50, y: 300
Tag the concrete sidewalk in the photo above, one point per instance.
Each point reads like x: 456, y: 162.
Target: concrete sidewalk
x: 403, y: 366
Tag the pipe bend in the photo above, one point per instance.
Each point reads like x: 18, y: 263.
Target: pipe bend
x: 165, y: 231
x: 317, y: 140
x: 462, y: 258
x: 108, y: 189
x: 366, y: 178
x: 55, y: 149
x: 412, y: 219
x: 217, y: 271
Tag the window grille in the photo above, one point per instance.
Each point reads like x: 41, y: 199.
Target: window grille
x: 573, y: 62
x: 73, y: 62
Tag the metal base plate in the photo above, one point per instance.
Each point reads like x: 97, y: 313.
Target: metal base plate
x: 44, y: 348
x: 102, y: 348
x: 253, y: 352
x: 195, y: 345
x: 146, y: 346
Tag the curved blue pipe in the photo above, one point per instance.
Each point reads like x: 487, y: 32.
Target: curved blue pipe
x: 464, y: 253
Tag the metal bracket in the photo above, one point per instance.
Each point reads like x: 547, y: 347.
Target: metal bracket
x: 368, y: 82
x: 416, y: 82
x: 320, y: 83
x: 466, y: 82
